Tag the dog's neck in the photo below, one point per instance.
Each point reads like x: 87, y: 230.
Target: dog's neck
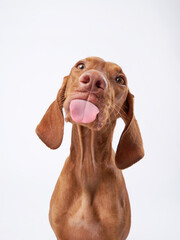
x: 90, y: 151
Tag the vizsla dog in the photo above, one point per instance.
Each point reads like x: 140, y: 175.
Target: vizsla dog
x: 90, y: 200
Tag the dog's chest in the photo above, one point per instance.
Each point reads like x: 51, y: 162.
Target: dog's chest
x: 84, y: 222
x: 85, y: 214
x: 90, y: 220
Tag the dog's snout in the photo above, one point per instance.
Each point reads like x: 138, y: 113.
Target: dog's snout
x: 93, y: 81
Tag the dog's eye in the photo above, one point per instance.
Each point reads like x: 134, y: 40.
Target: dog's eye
x: 120, y: 80
x: 80, y: 66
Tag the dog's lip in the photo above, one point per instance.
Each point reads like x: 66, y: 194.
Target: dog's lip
x: 86, y: 96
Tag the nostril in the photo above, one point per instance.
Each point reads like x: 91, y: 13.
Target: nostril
x: 100, y: 84
x: 86, y: 79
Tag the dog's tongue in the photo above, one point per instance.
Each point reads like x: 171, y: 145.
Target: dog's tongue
x: 83, y: 111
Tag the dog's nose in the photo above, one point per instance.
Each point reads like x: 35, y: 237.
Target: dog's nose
x: 93, y: 80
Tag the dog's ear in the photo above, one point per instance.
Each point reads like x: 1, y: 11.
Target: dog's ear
x: 51, y: 128
x: 130, y: 146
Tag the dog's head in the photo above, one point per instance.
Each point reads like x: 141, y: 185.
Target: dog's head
x: 94, y: 94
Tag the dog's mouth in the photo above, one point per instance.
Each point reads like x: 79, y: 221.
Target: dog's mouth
x: 83, y: 111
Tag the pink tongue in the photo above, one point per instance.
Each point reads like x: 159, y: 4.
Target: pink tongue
x: 83, y: 111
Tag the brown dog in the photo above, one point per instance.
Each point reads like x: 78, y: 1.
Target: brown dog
x: 90, y: 200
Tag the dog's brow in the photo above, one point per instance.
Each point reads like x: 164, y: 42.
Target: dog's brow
x: 80, y: 61
x: 117, y: 69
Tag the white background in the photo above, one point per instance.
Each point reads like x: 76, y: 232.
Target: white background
x: 39, y: 43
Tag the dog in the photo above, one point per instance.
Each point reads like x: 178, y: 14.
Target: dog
x: 90, y: 200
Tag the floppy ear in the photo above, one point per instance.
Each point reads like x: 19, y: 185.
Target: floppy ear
x: 51, y: 128
x: 130, y: 147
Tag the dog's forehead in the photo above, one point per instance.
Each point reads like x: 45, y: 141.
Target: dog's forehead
x: 110, y: 66
x: 95, y: 62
